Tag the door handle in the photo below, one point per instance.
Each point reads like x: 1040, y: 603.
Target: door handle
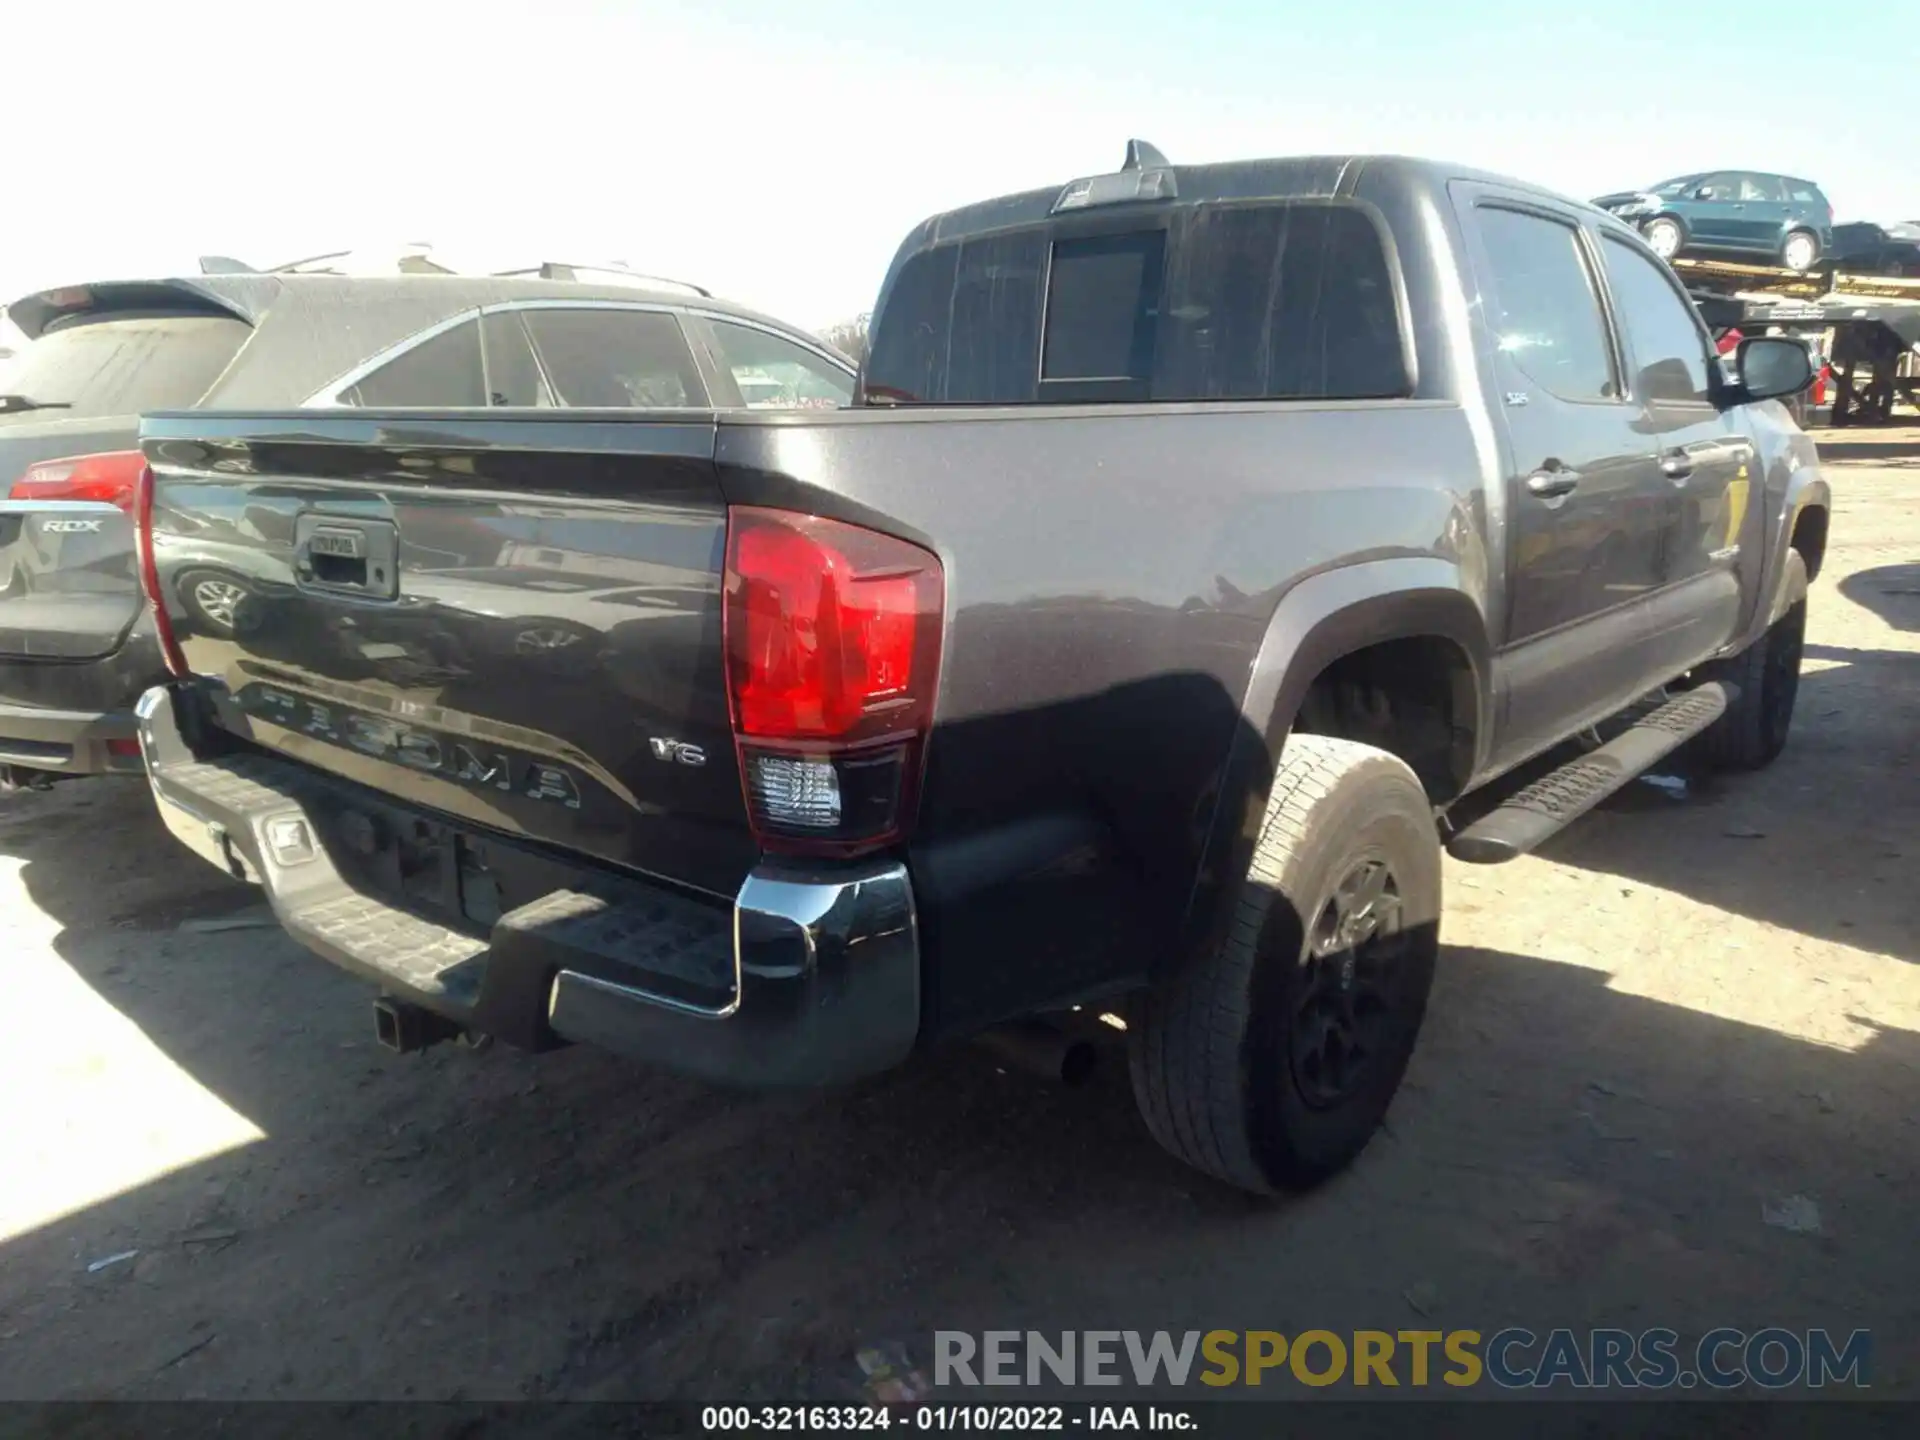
x: 1552, y: 483
x: 1676, y: 465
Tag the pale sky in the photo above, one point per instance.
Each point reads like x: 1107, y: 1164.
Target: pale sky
x: 777, y: 151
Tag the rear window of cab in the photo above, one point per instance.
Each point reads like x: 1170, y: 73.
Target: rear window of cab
x: 1283, y: 300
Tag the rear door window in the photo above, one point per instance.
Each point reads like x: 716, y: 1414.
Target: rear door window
x: 615, y: 358
x: 1760, y: 187
x: 773, y: 373
x: 442, y: 372
x: 1272, y: 300
x: 124, y: 366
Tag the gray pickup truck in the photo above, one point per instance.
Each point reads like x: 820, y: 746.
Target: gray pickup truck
x: 1198, y: 539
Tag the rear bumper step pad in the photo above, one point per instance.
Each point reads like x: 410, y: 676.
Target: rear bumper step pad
x: 809, y: 977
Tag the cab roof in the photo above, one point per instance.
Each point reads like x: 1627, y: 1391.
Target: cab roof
x: 1303, y: 177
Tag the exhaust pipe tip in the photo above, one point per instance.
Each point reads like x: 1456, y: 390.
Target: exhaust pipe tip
x: 1039, y: 1049
x: 1079, y: 1062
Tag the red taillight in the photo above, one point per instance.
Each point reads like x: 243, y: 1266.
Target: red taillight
x: 827, y: 620
x: 110, y: 478
x: 150, y: 572
x: 833, y: 650
x: 1820, y: 384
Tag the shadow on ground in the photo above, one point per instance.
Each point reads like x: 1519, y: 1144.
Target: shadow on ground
x: 1890, y: 591
x: 500, y: 1226
x: 1823, y: 843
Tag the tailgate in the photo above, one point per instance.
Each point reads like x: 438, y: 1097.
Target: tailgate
x: 515, y: 621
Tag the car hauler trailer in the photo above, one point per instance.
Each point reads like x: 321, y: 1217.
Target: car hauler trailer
x: 1867, y: 326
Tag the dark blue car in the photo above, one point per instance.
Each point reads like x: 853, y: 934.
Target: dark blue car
x: 1747, y: 213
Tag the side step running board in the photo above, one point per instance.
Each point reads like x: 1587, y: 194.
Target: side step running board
x: 1555, y: 801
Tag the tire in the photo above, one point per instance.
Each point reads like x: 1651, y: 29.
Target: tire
x: 1753, y: 732
x: 1233, y: 1057
x: 1665, y: 236
x: 1801, y: 251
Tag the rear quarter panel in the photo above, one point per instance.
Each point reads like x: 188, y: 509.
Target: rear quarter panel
x: 1111, y: 575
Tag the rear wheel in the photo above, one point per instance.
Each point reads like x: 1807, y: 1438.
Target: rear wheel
x: 1800, y: 251
x: 1665, y: 237
x: 1271, y: 1062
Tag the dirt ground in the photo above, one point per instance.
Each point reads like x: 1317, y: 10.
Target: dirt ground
x: 1683, y: 1011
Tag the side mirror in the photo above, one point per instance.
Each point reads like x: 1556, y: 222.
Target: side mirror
x: 1771, y: 367
x: 1704, y: 192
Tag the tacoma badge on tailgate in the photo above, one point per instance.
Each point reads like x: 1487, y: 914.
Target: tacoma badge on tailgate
x: 478, y: 765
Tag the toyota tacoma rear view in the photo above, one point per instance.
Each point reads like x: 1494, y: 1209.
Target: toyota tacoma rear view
x: 1198, y: 539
